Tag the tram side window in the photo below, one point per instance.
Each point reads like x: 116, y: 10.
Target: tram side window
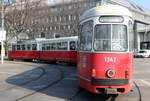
x: 47, y: 46
x: 18, y: 47
x: 34, y: 47
x: 86, y: 36
x: 54, y: 47
x: 43, y: 47
x: 64, y: 45
x: 72, y: 45
x: 13, y: 47
x: 59, y: 46
x: 131, y: 36
x: 28, y: 47
x: 23, y: 47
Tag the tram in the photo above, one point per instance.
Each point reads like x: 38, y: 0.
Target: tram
x: 24, y: 50
x: 58, y: 49
x: 105, y: 52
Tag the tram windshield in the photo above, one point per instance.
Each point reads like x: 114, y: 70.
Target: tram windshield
x: 110, y: 37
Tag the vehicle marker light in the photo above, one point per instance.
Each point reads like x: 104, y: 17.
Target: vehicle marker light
x: 93, y: 73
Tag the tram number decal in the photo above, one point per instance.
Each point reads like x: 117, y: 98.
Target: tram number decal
x: 110, y: 59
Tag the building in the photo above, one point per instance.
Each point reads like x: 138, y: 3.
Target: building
x: 59, y: 18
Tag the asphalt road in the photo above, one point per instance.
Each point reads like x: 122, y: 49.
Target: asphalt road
x: 22, y: 81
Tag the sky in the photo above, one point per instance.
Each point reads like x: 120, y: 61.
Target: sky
x: 143, y: 3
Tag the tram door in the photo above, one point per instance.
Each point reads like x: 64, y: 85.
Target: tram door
x: 85, y: 48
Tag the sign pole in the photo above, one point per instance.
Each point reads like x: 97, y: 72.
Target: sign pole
x: 2, y: 42
x: 2, y: 52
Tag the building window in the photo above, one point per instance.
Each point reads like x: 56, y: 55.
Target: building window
x: 69, y: 17
x: 50, y: 28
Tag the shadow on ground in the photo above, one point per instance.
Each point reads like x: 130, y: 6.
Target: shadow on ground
x: 42, y: 77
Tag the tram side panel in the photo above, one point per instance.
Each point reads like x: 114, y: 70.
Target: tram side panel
x: 24, y: 55
x: 64, y: 56
x: 93, y: 72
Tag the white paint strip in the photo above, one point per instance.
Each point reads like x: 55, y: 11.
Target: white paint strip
x: 145, y: 82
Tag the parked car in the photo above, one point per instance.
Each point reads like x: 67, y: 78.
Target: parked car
x: 142, y: 54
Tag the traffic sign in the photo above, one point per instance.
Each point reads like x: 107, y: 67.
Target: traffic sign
x: 2, y: 35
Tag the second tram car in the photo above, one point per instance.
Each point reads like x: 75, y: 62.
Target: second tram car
x: 105, y: 59
x: 58, y: 49
x: 24, y: 50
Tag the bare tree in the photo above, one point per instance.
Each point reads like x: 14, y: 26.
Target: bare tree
x: 20, y: 17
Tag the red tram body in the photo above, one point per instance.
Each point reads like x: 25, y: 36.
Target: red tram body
x: 64, y: 56
x: 26, y: 50
x: 105, y: 59
x: 58, y: 49
x: 93, y: 69
x: 24, y: 55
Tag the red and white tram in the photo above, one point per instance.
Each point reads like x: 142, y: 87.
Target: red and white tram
x: 105, y: 59
x: 58, y: 49
x: 24, y: 50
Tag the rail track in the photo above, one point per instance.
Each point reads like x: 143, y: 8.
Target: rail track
x: 27, y: 82
x: 139, y: 92
x: 43, y: 88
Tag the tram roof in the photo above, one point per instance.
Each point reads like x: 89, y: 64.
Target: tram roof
x: 62, y: 39
x: 106, y: 10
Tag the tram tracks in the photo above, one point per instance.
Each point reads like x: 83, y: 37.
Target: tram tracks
x: 139, y: 92
x: 27, y: 82
x: 43, y: 88
x: 74, y: 95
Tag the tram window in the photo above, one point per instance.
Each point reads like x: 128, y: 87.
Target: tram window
x: 64, y: 45
x: 54, y: 47
x: 119, y: 38
x: 47, y: 46
x: 28, y: 47
x: 111, y: 19
x: 34, y: 47
x: 13, y: 47
x: 43, y: 47
x: 86, y: 36
x: 110, y: 37
x: 59, y: 46
x: 102, y: 38
x: 131, y: 36
x: 72, y: 45
x: 18, y: 47
x: 23, y: 47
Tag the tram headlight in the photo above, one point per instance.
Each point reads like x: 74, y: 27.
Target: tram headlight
x: 110, y: 73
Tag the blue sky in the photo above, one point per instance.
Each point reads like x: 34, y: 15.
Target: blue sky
x: 143, y: 3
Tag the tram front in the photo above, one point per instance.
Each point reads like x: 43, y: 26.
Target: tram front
x: 105, y: 59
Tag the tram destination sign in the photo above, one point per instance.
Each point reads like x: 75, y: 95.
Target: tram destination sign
x: 2, y: 35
